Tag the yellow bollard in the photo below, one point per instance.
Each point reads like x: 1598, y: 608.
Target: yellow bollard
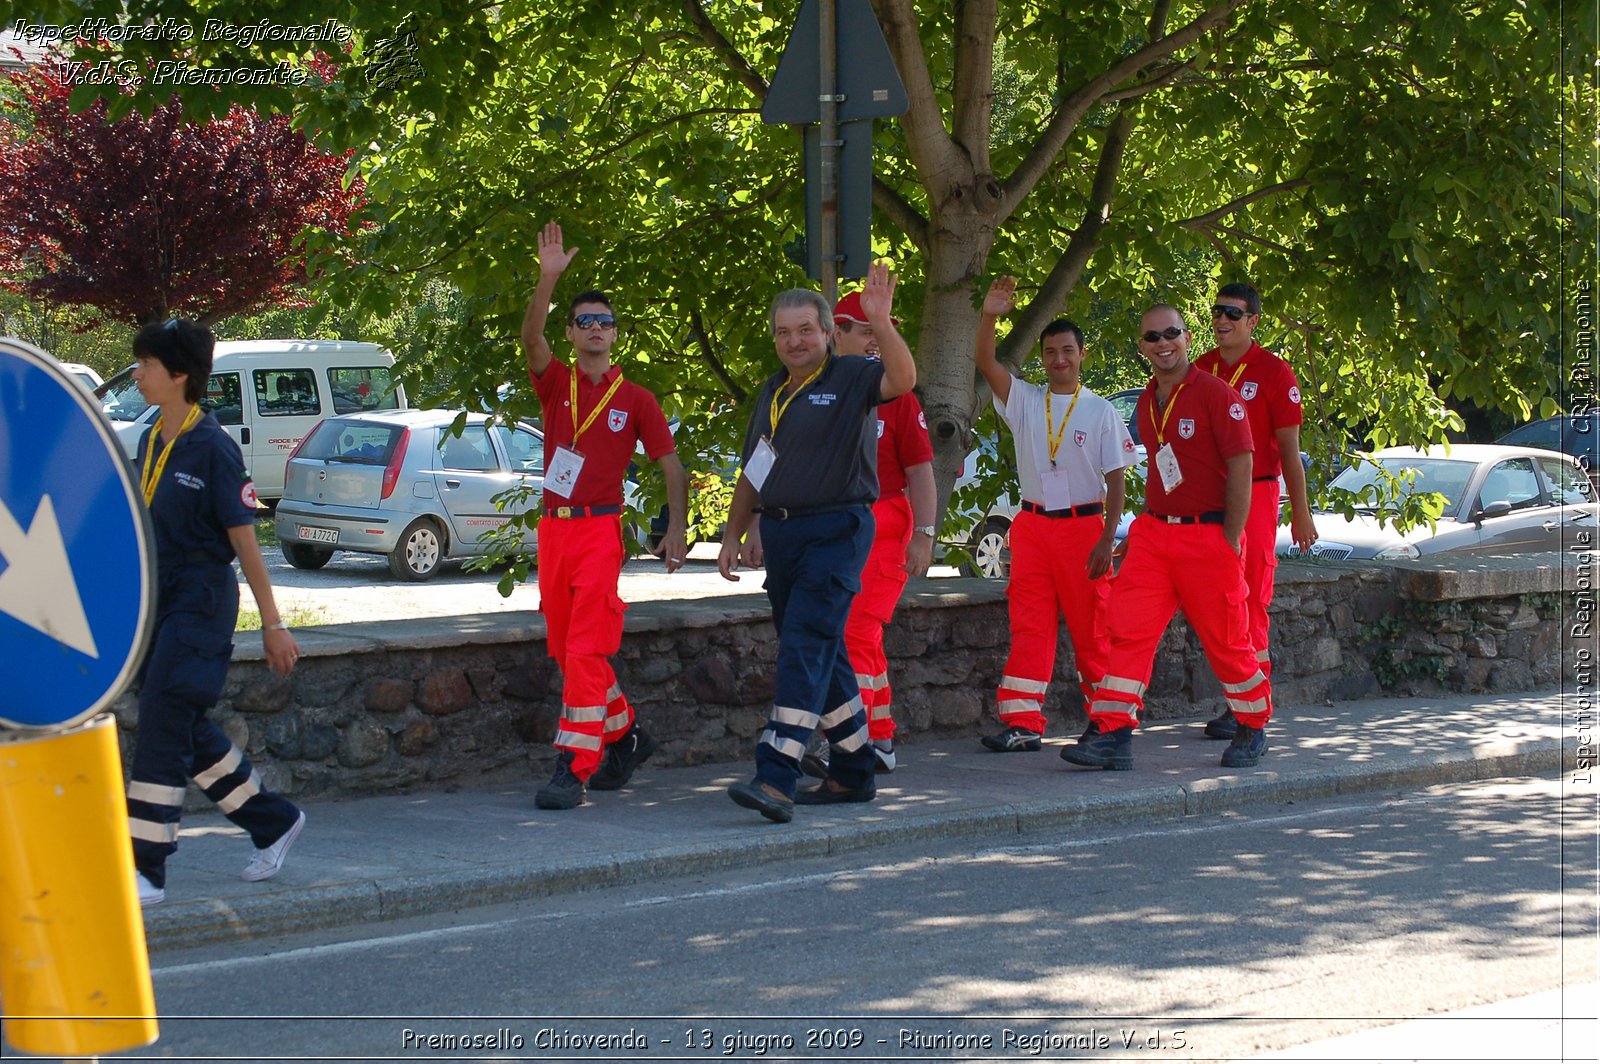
x: 74, y: 973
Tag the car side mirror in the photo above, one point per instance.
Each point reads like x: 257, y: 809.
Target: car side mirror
x: 1494, y: 509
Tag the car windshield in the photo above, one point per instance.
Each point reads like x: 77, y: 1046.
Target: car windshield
x: 360, y: 442
x: 1446, y: 476
x: 122, y: 401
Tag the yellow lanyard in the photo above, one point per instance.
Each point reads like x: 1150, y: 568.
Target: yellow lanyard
x: 604, y: 399
x: 1233, y: 381
x: 1050, y: 432
x: 153, y: 466
x: 1161, y: 426
x: 776, y: 413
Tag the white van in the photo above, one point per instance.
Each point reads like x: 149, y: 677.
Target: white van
x: 269, y: 394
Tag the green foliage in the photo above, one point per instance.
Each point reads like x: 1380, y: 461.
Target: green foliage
x: 1392, y: 664
x: 1392, y: 177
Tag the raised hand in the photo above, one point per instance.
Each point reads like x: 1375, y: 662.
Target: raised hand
x: 877, y: 297
x: 553, y: 257
x: 999, y: 302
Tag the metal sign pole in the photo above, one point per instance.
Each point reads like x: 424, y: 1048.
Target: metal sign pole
x: 828, y: 68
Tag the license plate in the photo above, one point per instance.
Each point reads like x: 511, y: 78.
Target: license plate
x: 317, y: 535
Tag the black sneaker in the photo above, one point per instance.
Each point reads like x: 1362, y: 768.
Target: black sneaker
x: 1012, y: 740
x: 564, y: 791
x: 1246, y: 749
x: 1102, y: 749
x: 622, y: 758
x: 1222, y: 726
x: 883, y: 753
x: 814, y: 762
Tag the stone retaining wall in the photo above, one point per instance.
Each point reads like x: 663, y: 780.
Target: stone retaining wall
x: 392, y: 705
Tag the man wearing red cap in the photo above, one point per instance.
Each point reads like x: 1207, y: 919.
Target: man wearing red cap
x: 1272, y: 400
x: 593, y: 419
x: 902, y: 545
x: 1071, y: 449
x: 1183, y: 551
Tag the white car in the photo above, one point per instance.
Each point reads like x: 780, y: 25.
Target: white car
x: 83, y: 374
x: 1498, y: 500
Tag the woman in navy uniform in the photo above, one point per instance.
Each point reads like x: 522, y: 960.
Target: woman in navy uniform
x: 202, y: 506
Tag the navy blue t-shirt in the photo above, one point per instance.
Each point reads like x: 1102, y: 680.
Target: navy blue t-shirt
x: 827, y: 440
x: 203, y: 492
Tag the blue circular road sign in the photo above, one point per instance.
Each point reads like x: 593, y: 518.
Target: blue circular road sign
x: 77, y: 578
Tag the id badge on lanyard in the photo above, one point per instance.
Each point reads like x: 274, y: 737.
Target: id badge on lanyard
x: 1167, y: 466
x: 1057, y: 488
x: 760, y: 465
x: 561, y: 475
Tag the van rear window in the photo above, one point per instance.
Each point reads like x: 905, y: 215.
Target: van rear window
x: 362, y: 388
x: 347, y: 441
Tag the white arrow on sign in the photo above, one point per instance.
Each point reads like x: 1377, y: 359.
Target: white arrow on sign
x: 37, y: 587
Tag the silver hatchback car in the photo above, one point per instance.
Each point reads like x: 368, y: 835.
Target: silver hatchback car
x: 397, y: 483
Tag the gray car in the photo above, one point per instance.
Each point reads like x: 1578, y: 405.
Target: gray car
x: 1498, y: 500
x: 398, y: 483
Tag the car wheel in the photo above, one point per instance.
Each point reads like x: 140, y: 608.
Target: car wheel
x: 990, y: 558
x: 305, y: 556
x: 419, y: 552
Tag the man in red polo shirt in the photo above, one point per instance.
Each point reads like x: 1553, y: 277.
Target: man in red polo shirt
x: 902, y: 542
x: 1182, y: 551
x: 593, y: 419
x: 1272, y: 400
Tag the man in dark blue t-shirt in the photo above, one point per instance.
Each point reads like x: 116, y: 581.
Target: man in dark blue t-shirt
x: 811, y: 471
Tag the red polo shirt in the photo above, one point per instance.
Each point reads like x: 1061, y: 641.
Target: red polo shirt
x: 1204, y: 421
x: 902, y: 442
x: 1271, y: 397
x: 607, y: 445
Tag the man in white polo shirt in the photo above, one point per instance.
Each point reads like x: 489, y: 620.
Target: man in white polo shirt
x: 1071, y: 449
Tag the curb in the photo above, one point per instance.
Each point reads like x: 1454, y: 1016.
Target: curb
x: 186, y: 925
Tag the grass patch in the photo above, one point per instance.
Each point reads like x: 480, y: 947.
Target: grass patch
x: 266, y: 533
x: 298, y: 617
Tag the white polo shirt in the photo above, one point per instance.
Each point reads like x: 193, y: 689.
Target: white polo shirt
x: 1093, y: 442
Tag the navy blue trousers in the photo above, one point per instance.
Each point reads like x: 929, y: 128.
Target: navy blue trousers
x: 197, y: 606
x: 813, y: 573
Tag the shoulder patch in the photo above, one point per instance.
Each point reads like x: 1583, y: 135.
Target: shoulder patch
x: 247, y: 495
x: 1294, y: 394
x: 1236, y: 411
x: 922, y: 419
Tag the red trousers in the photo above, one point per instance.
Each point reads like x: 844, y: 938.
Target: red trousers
x: 1168, y: 566
x: 580, y: 559
x: 883, y: 578
x: 1050, y: 580
x: 1261, y: 563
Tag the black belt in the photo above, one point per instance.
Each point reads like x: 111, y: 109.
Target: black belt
x: 1214, y: 517
x: 1260, y: 480
x: 1088, y: 509
x: 581, y: 511
x: 783, y: 513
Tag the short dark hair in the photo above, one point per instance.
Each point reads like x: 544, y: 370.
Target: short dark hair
x: 1061, y: 325
x: 1240, y: 290
x: 593, y: 295
x: 182, y: 347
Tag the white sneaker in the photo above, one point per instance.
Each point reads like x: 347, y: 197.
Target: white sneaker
x: 266, y: 863
x: 883, y: 751
x: 149, y: 893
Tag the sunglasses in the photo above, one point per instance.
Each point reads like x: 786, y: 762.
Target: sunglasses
x: 1171, y: 332
x: 589, y: 321
x: 1231, y: 313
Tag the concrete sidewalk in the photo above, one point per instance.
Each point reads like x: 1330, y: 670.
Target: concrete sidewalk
x: 390, y: 857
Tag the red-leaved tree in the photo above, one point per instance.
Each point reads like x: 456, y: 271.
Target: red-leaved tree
x: 143, y: 218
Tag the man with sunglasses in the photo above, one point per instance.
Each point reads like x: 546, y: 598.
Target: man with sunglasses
x: 1271, y: 397
x: 1072, y: 450
x: 593, y: 419
x: 1184, y: 550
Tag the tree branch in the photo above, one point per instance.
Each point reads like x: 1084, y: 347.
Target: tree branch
x: 1228, y: 208
x: 1052, y: 294
x: 900, y: 213
x: 1042, y: 156
x: 930, y: 147
x: 697, y: 329
x: 731, y: 57
x: 977, y: 24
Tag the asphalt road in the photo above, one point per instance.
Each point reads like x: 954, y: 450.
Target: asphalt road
x: 1229, y: 937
